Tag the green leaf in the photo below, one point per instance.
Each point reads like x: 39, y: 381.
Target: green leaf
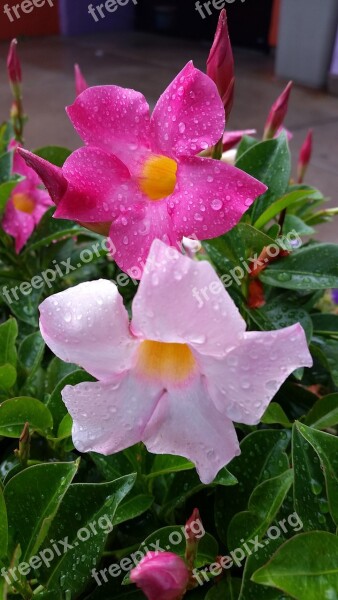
x: 278, y: 314
x: 6, y: 162
x: 326, y: 447
x: 31, y: 352
x: 132, y: 507
x: 24, y: 307
x: 329, y: 349
x: 33, y: 497
x: 166, y: 463
x: 5, y: 192
x: 305, y: 567
x: 7, y: 377
x: 226, y: 589
x: 3, y: 526
x: 264, y: 504
x: 270, y: 163
x: 291, y: 199
x: 325, y: 324
x: 86, y: 517
x: 313, y: 267
x: 293, y: 223
x: 8, y: 335
x: 50, y: 229
x: 274, y: 414
x: 57, y: 155
x: 310, y: 498
x: 16, y: 412
x: 262, y: 457
x: 246, y: 143
x: 324, y: 413
x: 250, y: 590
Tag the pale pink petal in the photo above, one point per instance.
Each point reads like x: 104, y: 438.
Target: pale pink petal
x: 112, y: 416
x: 183, y: 301
x: 134, y: 231
x: 186, y: 423
x: 112, y: 118
x: 244, y: 382
x: 98, y: 184
x: 211, y: 197
x: 189, y: 117
x: 89, y: 326
x: 18, y: 224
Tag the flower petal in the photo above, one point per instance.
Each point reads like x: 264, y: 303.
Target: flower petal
x: 186, y: 423
x: 244, y: 382
x: 183, y: 301
x: 18, y: 224
x: 189, y: 117
x: 98, y: 183
x: 88, y: 325
x: 112, y: 118
x: 211, y: 197
x: 109, y: 417
x: 134, y: 231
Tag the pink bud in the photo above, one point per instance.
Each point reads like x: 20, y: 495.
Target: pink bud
x: 13, y: 64
x: 278, y: 113
x: 220, y: 64
x: 232, y: 138
x: 305, y: 156
x: 161, y: 576
x: 80, y: 83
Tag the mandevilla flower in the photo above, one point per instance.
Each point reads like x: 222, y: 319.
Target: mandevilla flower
x: 27, y: 203
x: 161, y: 576
x: 305, y: 157
x: 277, y: 113
x: 139, y: 177
x: 178, y: 374
x: 220, y: 64
x: 80, y: 83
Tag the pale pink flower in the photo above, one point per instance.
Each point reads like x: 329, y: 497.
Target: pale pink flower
x: 161, y: 576
x: 178, y: 374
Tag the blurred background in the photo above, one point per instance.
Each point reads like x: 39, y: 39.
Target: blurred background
x: 144, y: 43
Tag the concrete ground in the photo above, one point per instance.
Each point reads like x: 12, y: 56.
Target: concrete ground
x: 148, y: 63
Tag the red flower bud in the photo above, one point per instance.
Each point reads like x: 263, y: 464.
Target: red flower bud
x: 161, y: 576
x: 13, y: 64
x: 80, y: 83
x: 220, y: 64
x: 278, y: 113
x: 305, y: 156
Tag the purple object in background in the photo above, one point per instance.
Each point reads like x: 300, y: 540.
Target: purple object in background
x: 335, y: 296
x: 334, y: 66
x: 75, y: 18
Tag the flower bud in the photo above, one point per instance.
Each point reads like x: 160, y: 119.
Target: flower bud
x: 278, y: 113
x: 13, y: 65
x: 220, y: 64
x: 305, y: 157
x: 161, y: 576
x: 194, y: 531
x: 80, y: 83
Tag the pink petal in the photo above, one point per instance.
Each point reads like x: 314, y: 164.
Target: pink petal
x: 20, y: 167
x: 98, y: 183
x: 18, y: 224
x: 49, y: 174
x: 232, y: 138
x: 42, y: 203
x: 211, y: 197
x: 189, y: 117
x: 88, y: 325
x: 245, y: 381
x: 112, y: 416
x: 186, y: 423
x: 134, y: 231
x: 183, y: 301
x: 112, y: 118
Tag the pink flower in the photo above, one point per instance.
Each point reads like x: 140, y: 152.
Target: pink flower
x: 27, y: 203
x: 278, y: 113
x: 161, y: 576
x: 220, y: 64
x: 80, y: 83
x: 140, y: 176
x: 305, y: 156
x: 13, y: 64
x: 178, y: 374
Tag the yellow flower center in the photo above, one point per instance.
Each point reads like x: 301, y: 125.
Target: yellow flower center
x: 158, y: 178
x: 166, y: 361
x: 24, y: 203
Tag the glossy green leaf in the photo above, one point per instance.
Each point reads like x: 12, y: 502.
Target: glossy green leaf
x: 8, y: 335
x: 324, y: 414
x: 7, y: 377
x: 133, y: 506
x: 325, y: 324
x: 33, y: 498
x: 166, y: 463
x: 5, y: 192
x: 6, y: 161
x: 310, y: 498
x: 305, y: 567
x: 56, y: 155
x: 50, y: 229
x: 14, y: 413
x: 31, y: 352
x: 313, y: 267
x: 264, y: 504
x: 326, y: 446
x: 226, y: 589
x: 274, y: 414
x: 251, y: 590
x: 3, y: 526
x: 291, y: 199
